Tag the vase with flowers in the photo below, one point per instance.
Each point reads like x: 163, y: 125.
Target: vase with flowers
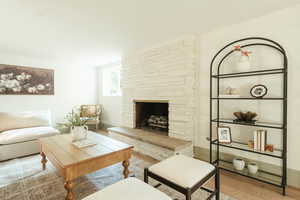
x: 243, y: 63
x: 77, y: 126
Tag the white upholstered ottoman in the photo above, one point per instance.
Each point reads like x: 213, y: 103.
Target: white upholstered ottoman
x: 184, y: 174
x: 129, y: 189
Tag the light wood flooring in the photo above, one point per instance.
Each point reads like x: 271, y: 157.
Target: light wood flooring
x: 243, y: 188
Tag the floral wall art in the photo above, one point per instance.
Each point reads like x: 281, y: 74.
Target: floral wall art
x: 17, y: 80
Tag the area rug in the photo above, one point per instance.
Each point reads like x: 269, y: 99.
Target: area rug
x: 23, y: 179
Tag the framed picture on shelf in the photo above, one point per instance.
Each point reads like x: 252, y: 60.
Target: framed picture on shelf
x: 224, y: 134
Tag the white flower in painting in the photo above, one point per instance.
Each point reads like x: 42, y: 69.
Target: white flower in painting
x: 12, y: 83
x: 2, y: 90
x: 32, y: 90
x: 28, y: 76
x: 48, y: 85
x: 2, y: 83
x: 17, y: 89
x: 20, y: 78
x: 10, y: 75
x: 40, y: 87
x: 23, y: 76
x: 4, y: 77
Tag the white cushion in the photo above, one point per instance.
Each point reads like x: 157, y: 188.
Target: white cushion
x: 26, y: 134
x: 182, y: 170
x: 11, y: 121
x: 129, y: 189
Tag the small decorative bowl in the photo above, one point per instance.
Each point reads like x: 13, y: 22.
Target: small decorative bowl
x: 252, y: 168
x: 239, y: 164
x: 245, y: 116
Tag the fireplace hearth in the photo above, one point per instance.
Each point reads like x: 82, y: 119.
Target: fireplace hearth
x: 152, y: 116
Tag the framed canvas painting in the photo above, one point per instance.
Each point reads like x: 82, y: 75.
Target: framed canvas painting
x: 19, y: 80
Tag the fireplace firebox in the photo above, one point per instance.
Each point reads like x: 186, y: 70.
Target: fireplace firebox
x: 152, y: 115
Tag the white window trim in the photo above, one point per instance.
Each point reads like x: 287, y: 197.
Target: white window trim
x: 105, y: 81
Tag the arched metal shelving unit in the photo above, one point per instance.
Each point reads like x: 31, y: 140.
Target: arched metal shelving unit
x: 278, y: 180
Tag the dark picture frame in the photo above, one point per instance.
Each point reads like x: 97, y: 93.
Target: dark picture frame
x: 224, y: 134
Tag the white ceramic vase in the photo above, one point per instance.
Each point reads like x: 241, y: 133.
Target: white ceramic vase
x: 239, y: 164
x: 79, y: 133
x: 243, y: 64
x: 252, y: 168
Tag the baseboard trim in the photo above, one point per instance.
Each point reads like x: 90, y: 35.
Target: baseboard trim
x: 105, y: 125
x: 293, y: 176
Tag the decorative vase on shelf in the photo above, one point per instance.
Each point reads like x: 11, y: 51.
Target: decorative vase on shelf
x: 252, y: 168
x: 79, y: 133
x: 239, y: 164
x: 244, y: 63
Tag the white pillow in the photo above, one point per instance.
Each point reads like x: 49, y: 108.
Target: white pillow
x: 9, y: 121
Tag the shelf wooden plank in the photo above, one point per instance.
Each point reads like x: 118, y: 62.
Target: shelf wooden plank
x: 257, y: 124
x: 244, y: 147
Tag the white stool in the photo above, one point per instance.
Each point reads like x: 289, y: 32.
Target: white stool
x: 129, y: 189
x: 184, y: 174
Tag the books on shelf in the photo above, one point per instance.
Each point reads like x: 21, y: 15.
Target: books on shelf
x: 260, y: 140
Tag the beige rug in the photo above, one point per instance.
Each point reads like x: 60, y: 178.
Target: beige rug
x: 23, y: 179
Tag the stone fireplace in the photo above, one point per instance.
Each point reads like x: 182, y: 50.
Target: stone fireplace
x: 159, y: 89
x: 163, y: 76
x: 152, y: 116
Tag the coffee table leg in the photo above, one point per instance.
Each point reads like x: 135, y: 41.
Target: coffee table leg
x: 125, y: 165
x: 69, y: 186
x: 44, y: 160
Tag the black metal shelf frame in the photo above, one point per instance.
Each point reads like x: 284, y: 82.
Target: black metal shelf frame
x: 247, y: 98
x: 244, y: 147
x: 250, y: 73
x: 281, y: 180
x: 257, y: 124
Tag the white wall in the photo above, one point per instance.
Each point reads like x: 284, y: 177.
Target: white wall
x: 74, y: 85
x: 282, y: 26
x: 111, y: 114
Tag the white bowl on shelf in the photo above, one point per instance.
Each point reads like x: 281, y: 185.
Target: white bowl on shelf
x: 252, y: 168
x: 239, y: 164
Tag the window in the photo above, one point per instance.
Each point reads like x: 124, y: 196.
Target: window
x: 111, y: 81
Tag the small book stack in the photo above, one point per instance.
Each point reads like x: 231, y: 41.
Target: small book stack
x: 84, y: 143
x: 260, y: 140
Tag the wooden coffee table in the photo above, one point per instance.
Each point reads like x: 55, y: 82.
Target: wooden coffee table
x: 73, y: 162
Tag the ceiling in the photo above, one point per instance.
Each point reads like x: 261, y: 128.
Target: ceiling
x: 95, y: 32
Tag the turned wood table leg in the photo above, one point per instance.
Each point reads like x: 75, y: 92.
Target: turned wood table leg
x: 125, y: 165
x: 44, y: 160
x: 69, y: 186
